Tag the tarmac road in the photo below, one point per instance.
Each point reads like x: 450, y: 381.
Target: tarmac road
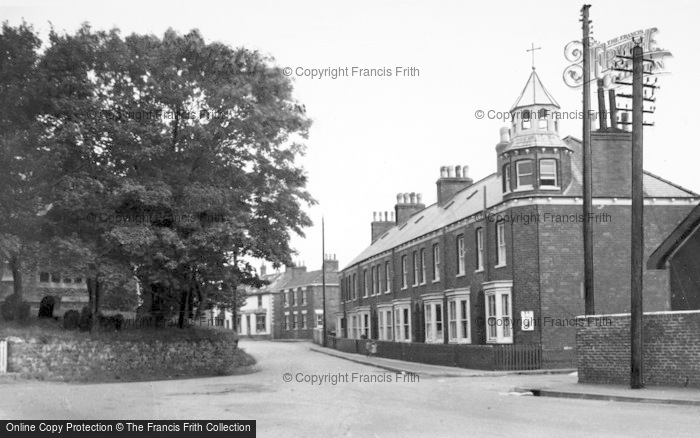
x: 371, y: 402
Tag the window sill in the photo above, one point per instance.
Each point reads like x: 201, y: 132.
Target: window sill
x: 387, y: 292
x: 460, y: 275
x: 436, y: 280
x: 500, y: 266
x: 422, y: 284
x: 550, y: 188
x: 479, y: 270
x: 404, y: 288
x: 523, y: 189
x: 460, y: 341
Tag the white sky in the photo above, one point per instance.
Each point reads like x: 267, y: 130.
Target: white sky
x: 376, y: 136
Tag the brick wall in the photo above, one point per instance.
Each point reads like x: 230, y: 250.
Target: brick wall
x: 671, y: 349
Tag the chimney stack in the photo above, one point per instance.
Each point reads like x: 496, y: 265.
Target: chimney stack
x: 296, y: 269
x: 381, y: 224
x: 611, y: 156
x: 602, y: 113
x: 613, y: 109
x: 407, y: 205
x: 453, y: 179
x: 330, y: 263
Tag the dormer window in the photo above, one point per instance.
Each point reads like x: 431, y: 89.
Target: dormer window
x: 542, y: 122
x: 525, y: 114
x: 524, y: 174
x: 548, y: 173
x: 506, y: 178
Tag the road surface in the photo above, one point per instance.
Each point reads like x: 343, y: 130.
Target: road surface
x: 370, y: 402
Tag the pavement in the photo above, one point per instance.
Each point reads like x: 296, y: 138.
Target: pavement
x: 422, y: 369
x: 562, y: 384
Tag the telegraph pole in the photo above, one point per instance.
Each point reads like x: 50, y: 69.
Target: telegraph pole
x: 587, y: 169
x: 636, y: 370
x: 323, y: 277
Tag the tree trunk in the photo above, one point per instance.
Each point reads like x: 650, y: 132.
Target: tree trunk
x: 98, y: 294
x: 184, y: 298
x: 16, y: 267
x: 94, y: 286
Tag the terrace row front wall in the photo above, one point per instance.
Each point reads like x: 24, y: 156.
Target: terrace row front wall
x: 544, y: 263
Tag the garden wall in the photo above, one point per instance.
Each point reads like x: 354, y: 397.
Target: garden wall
x: 671, y: 349
x: 57, y: 358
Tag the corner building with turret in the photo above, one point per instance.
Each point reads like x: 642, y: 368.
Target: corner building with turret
x: 491, y: 276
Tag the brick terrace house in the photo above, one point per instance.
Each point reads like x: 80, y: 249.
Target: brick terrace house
x: 291, y: 306
x: 500, y: 260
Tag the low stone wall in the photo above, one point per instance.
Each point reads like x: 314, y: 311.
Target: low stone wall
x: 671, y: 349
x: 58, y: 358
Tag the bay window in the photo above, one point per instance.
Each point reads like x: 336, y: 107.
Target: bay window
x: 459, y: 330
x: 434, y: 320
x: 499, y: 319
x: 525, y: 175
x: 548, y: 173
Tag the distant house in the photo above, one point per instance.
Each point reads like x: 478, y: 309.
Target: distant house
x: 680, y: 254
x: 70, y: 292
x: 255, y: 316
x: 291, y: 305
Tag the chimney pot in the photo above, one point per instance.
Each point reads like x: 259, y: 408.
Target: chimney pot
x: 465, y: 171
x: 419, y: 198
x: 406, y: 198
x: 413, y: 197
x: 374, y: 216
x: 450, y: 171
x: 386, y: 216
x: 458, y: 171
x: 443, y: 172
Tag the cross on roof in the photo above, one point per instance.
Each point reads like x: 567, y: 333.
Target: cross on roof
x: 532, y: 49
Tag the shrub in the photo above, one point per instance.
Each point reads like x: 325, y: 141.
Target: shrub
x: 71, y: 320
x: 14, y: 309
x: 85, y: 319
x: 118, y: 321
x: 46, y: 307
x: 106, y: 323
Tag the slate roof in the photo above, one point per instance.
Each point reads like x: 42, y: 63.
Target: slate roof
x: 471, y: 201
x: 658, y: 259
x: 532, y: 140
x: 285, y: 280
x: 534, y: 93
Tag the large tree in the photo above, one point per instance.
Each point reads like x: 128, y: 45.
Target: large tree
x: 178, y: 159
x: 26, y: 171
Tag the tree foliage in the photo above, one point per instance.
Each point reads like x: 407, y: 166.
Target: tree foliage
x: 171, y: 159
